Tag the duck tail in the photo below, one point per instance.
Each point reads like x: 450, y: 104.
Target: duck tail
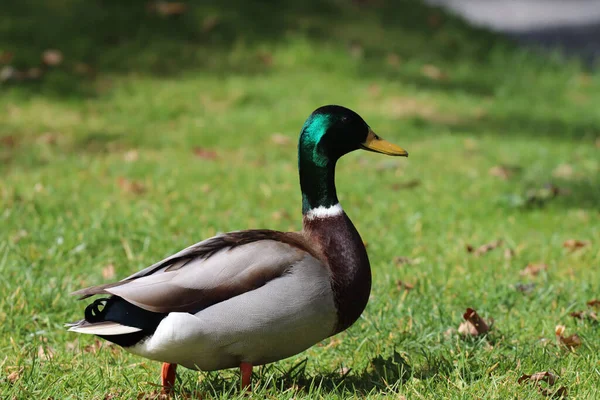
x: 95, y: 322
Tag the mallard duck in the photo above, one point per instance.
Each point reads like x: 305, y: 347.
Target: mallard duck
x: 251, y: 297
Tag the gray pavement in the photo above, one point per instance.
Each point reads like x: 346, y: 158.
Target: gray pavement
x: 570, y: 25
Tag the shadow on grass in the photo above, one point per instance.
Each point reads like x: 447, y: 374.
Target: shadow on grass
x: 383, y: 374
x: 223, y: 37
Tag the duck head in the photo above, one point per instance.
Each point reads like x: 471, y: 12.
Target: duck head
x: 329, y: 133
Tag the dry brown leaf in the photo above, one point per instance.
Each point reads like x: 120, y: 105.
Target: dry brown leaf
x: 83, y: 69
x: 45, y: 353
x: 6, y: 57
x: 15, y: 375
x: 574, y: 244
x: 467, y: 329
x: 533, y: 269
x: 570, y: 341
x: 265, y: 58
x: 401, y: 285
x: 8, y: 141
x: 205, y: 154
x: 501, y: 171
x: 413, y: 183
x: 154, y: 395
x: 393, y: 60
x: 108, y: 272
x: 374, y: 89
x: 563, y: 171
x: 471, y: 316
x: 34, y: 73
x: 545, y: 376
x: 52, y: 57
x: 167, y: 9
x: 131, y: 156
x: 593, y: 303
x: 433, y: 72
x: 209, y: 23
x: 280, y: 139
x: 484, y: 248
x: 560, y: 393
x: 48, y: 138
x: 127, y: 185
x: 584, y: 315
x: 402, y: 260
x: 434, y: 20
x: 93, y: 348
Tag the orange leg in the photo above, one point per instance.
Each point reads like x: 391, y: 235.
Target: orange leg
x: 167, y: 377
x: 246, y: 371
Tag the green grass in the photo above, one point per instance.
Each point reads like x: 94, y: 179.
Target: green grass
x: 460, y: 101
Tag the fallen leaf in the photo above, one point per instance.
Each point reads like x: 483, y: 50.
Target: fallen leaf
x: 265, y: 57
x: 558, y: 394
x: 525, y: 287
x: 52, y: 57
x: 533, y: 269
x: 48, y: 138
x: 509, y: 253
x: 205, y: 153
x: 8, y: 141
x: 209, y: 23
x: 34, y: 73
x: 93, y: 348
x: 433, y: 72
x: 374, y: 89
x: 46, y: 353
x: 474, y: 325
x: 127, y: 185
x: 570, y: 341
x: 6, y: 57
x: 583, y: 315
x: 413, y: 183
x: 402, y: 260
x: 401, y: 285
x: 167, y: 9
x: 593, y: 303
x: 15, y: 375
x: 108, y: 272
x: 131, y: 156
x: 344, y: 371
x: 393, y: 60
x: 545, y: 376
x: 504, y: 172
x: 574, y: 244
x: 83, y: 69
x: 280, y: 139
x: 154, y: 395
x: 434, y: 20
x: 484, y: 248
x: 563, y: 171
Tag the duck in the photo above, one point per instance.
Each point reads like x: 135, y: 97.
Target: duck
x: 251, y: 297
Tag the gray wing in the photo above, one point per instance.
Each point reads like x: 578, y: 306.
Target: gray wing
x: 207, y: 273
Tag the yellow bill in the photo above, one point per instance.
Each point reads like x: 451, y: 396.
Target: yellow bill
x: 378, y: 145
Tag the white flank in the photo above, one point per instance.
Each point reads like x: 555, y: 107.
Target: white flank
x: 324, y: 212
x: 104, y: 328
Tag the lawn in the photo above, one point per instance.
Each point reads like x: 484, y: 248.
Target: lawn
x: 155, y: 132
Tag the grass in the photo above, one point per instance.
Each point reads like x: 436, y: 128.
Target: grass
x: 172, y: 140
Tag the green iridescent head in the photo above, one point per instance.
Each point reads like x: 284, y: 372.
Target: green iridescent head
x: 328, y: 134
